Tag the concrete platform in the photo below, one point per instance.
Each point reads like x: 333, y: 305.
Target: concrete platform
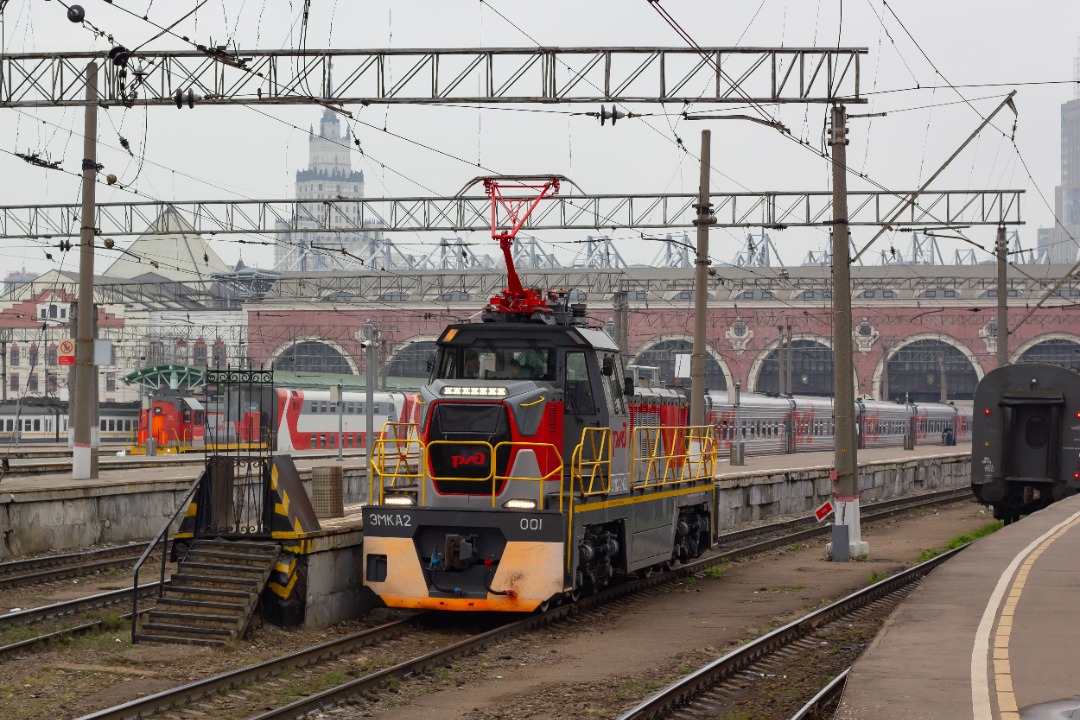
x: 993, y: 633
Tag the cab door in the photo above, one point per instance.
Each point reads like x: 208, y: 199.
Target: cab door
x: 584, y: 414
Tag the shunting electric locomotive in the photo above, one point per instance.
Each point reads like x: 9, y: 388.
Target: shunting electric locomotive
x: 527, y: 479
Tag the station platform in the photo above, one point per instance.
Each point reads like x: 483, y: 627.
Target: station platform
x: 163, y: 468
x: 991, y: 634
x: 186, y: 467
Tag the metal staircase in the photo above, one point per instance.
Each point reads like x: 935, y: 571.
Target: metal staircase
x: 213, y: 595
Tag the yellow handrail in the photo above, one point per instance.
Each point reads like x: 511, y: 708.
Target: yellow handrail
x: 669, y: 455
x: 598, y: 467
x: 390, y: 469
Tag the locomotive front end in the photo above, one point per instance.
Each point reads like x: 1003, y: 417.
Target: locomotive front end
x: 479, y: 524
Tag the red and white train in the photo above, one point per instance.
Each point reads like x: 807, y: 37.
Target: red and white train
x: 297, y: 420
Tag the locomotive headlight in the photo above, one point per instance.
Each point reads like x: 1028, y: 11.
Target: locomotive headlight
x: 473, y: 391
x: 519, y: 504
x: 399, y: 500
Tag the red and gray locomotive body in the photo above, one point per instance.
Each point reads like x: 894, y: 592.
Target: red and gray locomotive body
x: 1026, y: 438
x: 537, y: 477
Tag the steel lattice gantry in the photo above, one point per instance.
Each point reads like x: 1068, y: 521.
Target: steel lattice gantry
x: 580, y: 212
x: 436, y: 76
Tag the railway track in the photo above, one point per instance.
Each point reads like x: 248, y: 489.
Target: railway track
x: 309, y: 674
x: 68, y: 619
x: 48, y: 568
x: 828, y: 640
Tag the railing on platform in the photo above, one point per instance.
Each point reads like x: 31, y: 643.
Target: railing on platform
x: 161, y: 538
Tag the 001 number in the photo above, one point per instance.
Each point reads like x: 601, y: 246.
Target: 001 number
x: 531, y: 524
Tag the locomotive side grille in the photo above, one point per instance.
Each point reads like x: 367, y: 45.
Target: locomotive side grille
x: 463, y: 422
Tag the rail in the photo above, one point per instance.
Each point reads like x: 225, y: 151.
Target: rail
x: 163, y: 534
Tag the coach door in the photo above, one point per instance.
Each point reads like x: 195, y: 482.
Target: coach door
x: 1032, y: 432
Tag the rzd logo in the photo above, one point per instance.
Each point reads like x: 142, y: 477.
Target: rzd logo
x: 477, y: 458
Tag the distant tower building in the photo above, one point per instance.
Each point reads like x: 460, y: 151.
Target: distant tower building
x: 329, y: 176
x: 1066, y: 233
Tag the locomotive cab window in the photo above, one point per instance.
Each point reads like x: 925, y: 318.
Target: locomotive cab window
x: 579, y: 397
x: 510, y: 363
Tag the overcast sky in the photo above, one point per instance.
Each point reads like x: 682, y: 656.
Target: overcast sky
x: 988, y: 47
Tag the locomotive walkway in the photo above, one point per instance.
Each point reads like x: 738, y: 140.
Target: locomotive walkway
x: 989, y: 635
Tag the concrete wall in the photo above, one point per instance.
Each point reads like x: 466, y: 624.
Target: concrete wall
x: 32, y: 523
x: 36, y: 522
x: 799, y: 492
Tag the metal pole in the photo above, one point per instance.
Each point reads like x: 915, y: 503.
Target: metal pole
x: 340, y: 422
x: 369, y: 400
x: 701, y: 276
x: 790, y: 361
x: 884, y: 394
x: 738, y: 448
x: 84, y: 462
x: 621, y: 306
x: 943, y: 391
x: 845, y: 455
x: 781, y: 373
x: 1002, y: 298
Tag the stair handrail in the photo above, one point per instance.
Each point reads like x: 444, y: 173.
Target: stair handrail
x: 163, y: 533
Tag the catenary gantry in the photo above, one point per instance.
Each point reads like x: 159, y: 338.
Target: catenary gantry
x: 570, y: 212
x: 223, y: 76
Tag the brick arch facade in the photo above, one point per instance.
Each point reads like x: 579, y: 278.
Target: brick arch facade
x: 709, y: 350
x: 758, y: 363
x: 1038, y: 339
x: 879, y: 369
x: 354, y: 367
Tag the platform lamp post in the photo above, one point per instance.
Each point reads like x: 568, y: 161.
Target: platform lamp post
x: 369, y: 341
x: 337, y: 396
